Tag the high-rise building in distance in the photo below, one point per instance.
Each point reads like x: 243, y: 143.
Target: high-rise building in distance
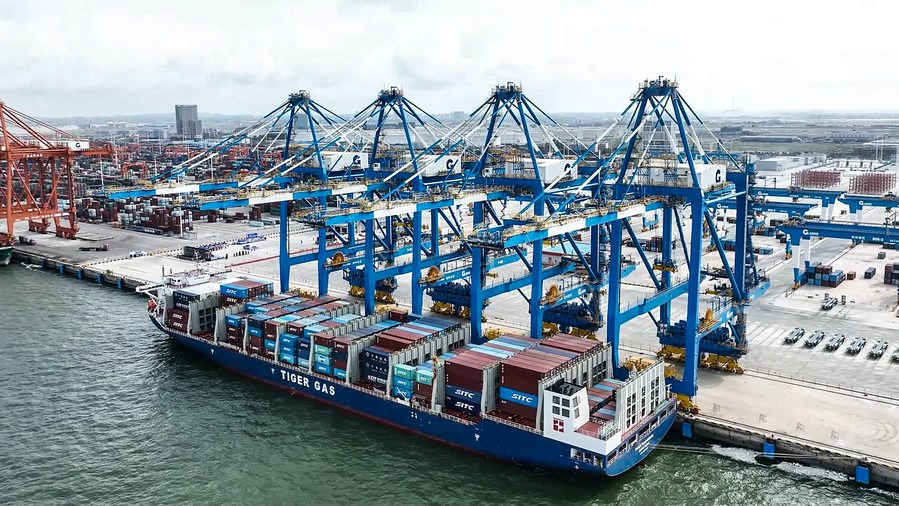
x: 187, y: 122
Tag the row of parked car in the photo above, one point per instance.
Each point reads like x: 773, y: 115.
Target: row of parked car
x: 856, y: 345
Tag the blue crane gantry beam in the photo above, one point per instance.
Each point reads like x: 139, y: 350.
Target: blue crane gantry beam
x: 857, y: 203
x: 789, y: 208
x: 801, y: 232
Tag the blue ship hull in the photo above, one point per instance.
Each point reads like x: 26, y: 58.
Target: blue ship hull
x: 487, y: 437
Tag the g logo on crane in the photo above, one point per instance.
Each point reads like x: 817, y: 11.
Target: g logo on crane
x: 451, y: 164
x: 357, y: 160
x: 718, y: 176
x: 805, y: 231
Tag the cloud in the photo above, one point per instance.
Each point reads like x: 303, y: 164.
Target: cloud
x: 79, y: 57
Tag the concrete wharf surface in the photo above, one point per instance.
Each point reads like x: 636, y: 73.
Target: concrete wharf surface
x: 827, y: 409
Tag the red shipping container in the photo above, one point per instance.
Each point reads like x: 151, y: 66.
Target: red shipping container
x: 428, y: 331
x: 392, y: 343
x: 339, y: 364
x: 425, y: 390
x: 182, y: 326
x: 341, y: 344
x: 398, y: 316
x: 176, y: 315
x: 517, y: 409
x: 295, y: 328
x: 399, y: 332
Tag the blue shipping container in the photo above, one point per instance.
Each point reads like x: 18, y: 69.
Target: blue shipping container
x: 235, y: 291
x: 402, y: 393
x: 376, y: 355
x: 463, y: 394
x: 462, y: 405
x: 269, y: 345
x: 322, y: 368
x: 287, y: 337
x: 402, y: 383
x: 374, y: 379
x: 253, y: 331
x: 303, y: 362
x: 525, y: 399
x: 322, y: 359
x: 233, y: 321
x: 339, y: 373
x: 287, y: 357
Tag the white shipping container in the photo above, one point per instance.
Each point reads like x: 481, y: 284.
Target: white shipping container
x: 551, y: 168
x: 342, y: 160
x: 74, y: 145
x: 434, y: 165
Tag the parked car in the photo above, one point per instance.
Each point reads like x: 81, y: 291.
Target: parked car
x: 794, y: 335
x: 835, y: 342
x: 814, y: 339
x: 879, y: 348
x: 856, y: 346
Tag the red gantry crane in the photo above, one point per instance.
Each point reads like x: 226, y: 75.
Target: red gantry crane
x: 35, y: 172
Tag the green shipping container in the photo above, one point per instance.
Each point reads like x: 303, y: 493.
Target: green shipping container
x: 424, y: 377
x: 404, y: 371
x: 322, y: 350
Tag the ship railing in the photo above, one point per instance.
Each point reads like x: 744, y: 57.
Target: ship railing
x: 657, y: 413
x: 604, y: 431
x: 509, y: 422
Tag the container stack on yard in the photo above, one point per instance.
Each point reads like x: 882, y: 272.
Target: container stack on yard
x: 872, y: 183
x: 655, y: 244
x: 819, y: 274
x: 891, y: 274
x: 815, y: 178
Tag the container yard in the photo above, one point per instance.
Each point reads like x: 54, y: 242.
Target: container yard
x: 495, y: 297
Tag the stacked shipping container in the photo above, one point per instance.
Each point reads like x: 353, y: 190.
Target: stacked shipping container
x: 891, y: 274
x: 819, y: 274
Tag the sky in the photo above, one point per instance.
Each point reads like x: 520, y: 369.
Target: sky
x: 127, y: 57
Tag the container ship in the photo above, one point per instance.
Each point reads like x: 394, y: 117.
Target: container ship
x: 551, y: 403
